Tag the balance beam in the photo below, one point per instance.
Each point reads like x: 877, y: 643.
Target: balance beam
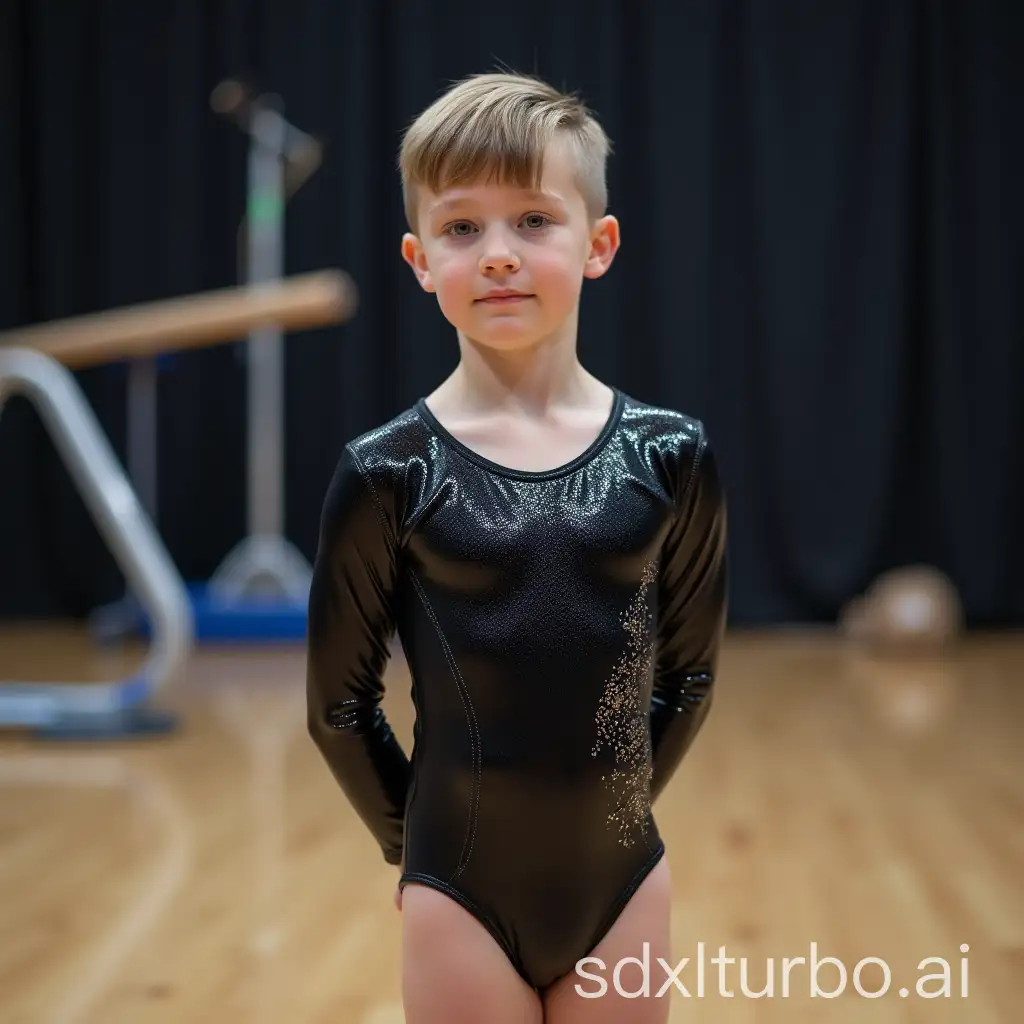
x: 300, y: 302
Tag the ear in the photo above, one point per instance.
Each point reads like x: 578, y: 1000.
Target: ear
x: 604, y: 244
x: 413, y: 254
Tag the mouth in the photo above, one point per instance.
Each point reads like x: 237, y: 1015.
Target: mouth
x: 504, y: 298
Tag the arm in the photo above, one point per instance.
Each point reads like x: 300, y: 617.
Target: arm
x: 693, y: 603
x: 350, y: 624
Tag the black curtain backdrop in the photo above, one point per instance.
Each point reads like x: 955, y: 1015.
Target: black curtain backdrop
x: 822, y: 258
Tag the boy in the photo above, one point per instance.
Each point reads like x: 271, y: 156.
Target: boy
x: 552, y: 554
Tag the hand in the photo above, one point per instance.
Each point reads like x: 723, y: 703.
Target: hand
x: 398, y: 897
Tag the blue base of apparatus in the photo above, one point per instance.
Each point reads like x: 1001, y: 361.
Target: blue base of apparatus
x: 262, y: 620
x: 257, y: 621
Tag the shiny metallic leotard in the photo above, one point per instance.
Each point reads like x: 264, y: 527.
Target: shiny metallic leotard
x: 562, y: 632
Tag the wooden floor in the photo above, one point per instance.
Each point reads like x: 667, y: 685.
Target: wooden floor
x: 876, y: 809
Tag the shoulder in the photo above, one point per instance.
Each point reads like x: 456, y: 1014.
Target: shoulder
x: 385, y: 450
x: 383, y: 469
x: 678, y: 440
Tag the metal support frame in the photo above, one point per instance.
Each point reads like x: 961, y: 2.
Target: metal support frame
x: 92, y: 709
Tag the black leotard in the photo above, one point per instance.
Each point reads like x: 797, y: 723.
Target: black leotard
x: 562, y: 631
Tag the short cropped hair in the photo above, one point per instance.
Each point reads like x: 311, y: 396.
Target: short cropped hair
x: 500, y: 124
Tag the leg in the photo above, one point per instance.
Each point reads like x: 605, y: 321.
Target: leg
x: 453, y: 971
x: 645, y: 919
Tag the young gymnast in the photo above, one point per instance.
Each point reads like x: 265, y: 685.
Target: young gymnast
x: 552, y: 554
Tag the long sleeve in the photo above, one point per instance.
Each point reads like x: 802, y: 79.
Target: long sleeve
x: 351, y: 622
x: 693, y: 604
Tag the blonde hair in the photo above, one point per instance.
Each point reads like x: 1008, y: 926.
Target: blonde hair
x: 501, y: 124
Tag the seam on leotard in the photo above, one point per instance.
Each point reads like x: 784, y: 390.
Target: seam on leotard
x: 467, y: 703
x: 474, y: 733
x: 462, y: 899
x: 377, y: 503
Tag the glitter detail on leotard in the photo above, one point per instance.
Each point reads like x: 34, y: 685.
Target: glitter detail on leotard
x: 622, y: 724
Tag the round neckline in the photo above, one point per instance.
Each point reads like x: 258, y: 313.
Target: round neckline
x: 618, y: 403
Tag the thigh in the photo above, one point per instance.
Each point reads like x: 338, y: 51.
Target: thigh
x: 628, y: 957
x: 453, y: 971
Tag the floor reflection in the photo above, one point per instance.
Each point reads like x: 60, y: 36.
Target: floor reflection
x: 154, y: 800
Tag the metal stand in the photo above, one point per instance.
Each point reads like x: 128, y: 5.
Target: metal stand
x: 121, y: 619
x: 104, y: 710
x: 265, y: 565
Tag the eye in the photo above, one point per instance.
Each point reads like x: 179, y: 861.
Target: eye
x: 455, y: 228
x: 543, y: 219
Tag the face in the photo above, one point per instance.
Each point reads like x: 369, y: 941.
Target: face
x: 507, y: 264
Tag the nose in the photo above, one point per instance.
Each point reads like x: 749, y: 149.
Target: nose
x: 498, y: 256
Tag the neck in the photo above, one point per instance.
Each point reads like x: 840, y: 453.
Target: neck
x: 532, y: 379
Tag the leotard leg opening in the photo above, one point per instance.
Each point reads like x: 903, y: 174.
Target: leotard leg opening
x: 467, y: 904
